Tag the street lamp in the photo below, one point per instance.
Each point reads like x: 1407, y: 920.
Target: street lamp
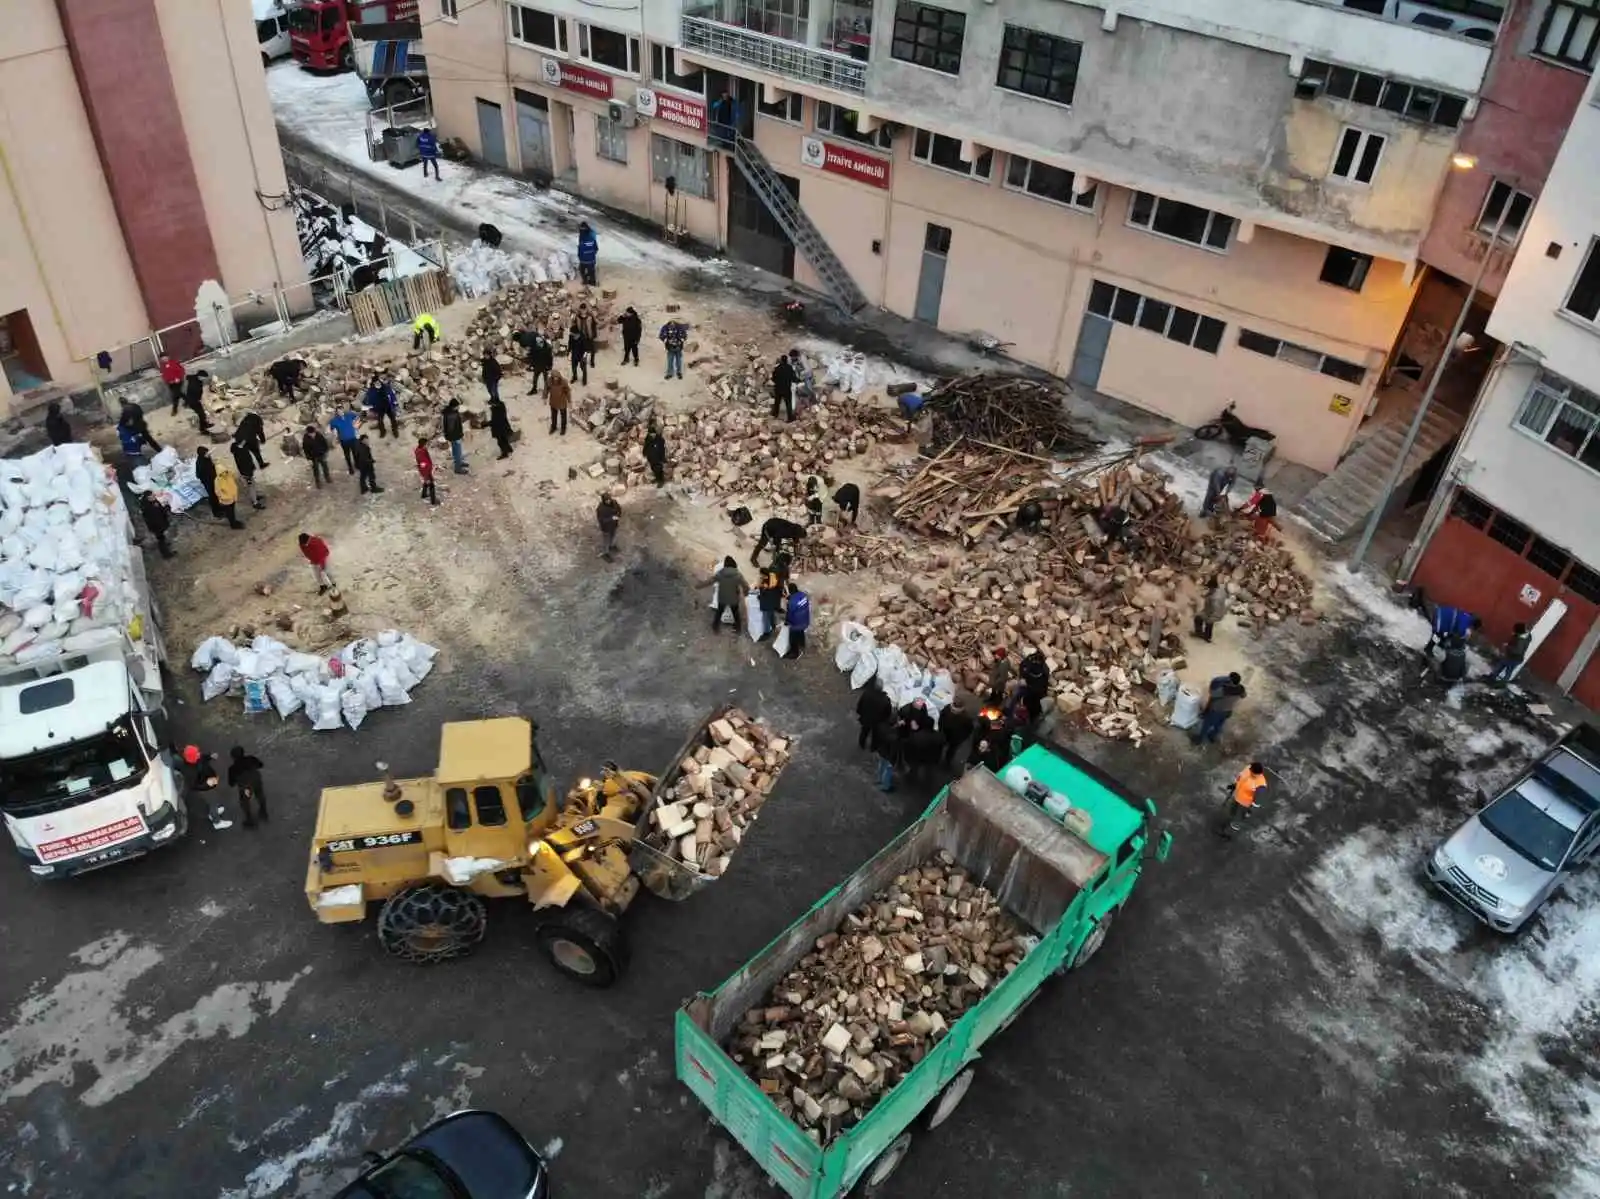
x: 1462, y: 162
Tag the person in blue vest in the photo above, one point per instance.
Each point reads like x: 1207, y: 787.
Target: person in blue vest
x: 1450, y: 626
x: 911, y: 404
x: 588, y: 252
x: 797, y: 615
x: 345, y: 426
x: 428, y: 149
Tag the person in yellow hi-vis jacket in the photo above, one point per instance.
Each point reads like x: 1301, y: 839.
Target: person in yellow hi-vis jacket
x: 424, y: 326
x: 227, y: 489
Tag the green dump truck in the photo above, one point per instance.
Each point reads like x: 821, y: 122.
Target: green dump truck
x: 1010, y: 836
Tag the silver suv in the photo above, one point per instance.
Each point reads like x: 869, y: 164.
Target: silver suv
x: 1504, y: 862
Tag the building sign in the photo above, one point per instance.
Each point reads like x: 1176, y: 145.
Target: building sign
x: 1529, y: 595
x: 574, y: 78
x: 683, y: 111
x: 844, y: 160
x: 1341, y: 405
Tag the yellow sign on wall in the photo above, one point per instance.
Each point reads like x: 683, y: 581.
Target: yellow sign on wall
x: 1341, y: 405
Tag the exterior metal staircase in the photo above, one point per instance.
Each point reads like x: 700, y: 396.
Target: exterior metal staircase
x: 1343, y: 500
x: 786, y: 211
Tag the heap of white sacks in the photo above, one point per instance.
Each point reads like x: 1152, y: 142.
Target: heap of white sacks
x: 340, y: 689
x: 70, y: 577
x: 172, y: 479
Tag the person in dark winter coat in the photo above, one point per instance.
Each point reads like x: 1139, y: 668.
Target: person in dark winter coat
x: 56, y: 426
x: 588, y: 253
x: 797, y: 615
x: 244, y: 775
x: 205, y: 470
x: 428, y: 151
x: 813, y: 501
x: 590, y: 328
x: 1515, y: 652
x: 915, y: 715
x: 158, y: 519
x: 777, y: 532
x: 988, y: 750
x: 490, y: 373
x: 500, y: 427
x: 848, y: 498
x: 922, y: 750
x: 315, y: 447
x: 873, y: 710
x: 252, y: 434
x: 1217, y: 487
x: 956, y: 724
x: 132, y: 419
x: 888, y: 743
x: 673, y: 335
x: 731, y: 589
x: 608, y: 515
x: 286, y: 374
x: 999, y: 676
x: 1035, y: 672
x: 632, y: 331
x: 1212, y: 609
x: 382, y: 402
x: 783, y: 387
x: 541, y: 361
x: 455, y: 432
x: 578, y: 353
x: 655, y: 452
x: 194, y: 389
x: 244, y: 465
x: 366, y: 469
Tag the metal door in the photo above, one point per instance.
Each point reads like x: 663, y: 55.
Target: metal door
x: 1093, y: 337
x: 754, y: 235
x: 492, y: 134
x: 930, y: 283
x: 533, y: 134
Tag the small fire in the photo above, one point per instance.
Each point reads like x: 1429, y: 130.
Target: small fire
x: 992, y: 715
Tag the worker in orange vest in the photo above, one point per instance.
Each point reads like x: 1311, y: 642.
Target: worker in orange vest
x: 1242, y: 800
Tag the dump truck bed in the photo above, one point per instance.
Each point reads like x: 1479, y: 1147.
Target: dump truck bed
x: 1036, y: 868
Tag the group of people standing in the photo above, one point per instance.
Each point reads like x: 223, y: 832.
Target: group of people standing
x: 780, y: 600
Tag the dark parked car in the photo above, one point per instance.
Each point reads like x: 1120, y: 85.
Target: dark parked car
x: 466, y: 1155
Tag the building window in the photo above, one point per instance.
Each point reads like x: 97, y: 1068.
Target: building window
x: 689, y: 165
x: 1584, y: 583
x: 1563, y: 416
x: 1512, y: 534
x: 1169, y: 218
x: 1472, y: 510
x: 1356, y: 160
x: 1301, y: 356
x: 1039, y: 65
x: 1393, y: 95
x: 928, y: 36
x: 447, y: 10
x: 1345, y: 268
x: 664, y: 69
x: 534, y: 28
x: 789, y: 108
x: 841, y: 122
x: 1504, y: 200
x: 1569, y: 32
x: 936, y: 240
x: 1047, y: 182
x: 1157, y: 316
x: 610, y: 140
x: 1551, y: 559
x: 943, y: 152
x: 1584, y: 299
x: 608, y: 48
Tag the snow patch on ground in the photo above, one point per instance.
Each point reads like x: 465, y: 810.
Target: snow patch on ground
x: 1392, y: 617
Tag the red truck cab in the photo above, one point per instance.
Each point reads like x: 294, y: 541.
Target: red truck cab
x: 319, y: 30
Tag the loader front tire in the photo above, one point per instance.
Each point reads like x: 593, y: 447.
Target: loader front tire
x: 584, y: 944
x: 432, y: 923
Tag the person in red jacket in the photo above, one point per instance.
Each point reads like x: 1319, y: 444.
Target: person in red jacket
x: 425, y: 469
x: 173, y: 375
x: 316, y: 552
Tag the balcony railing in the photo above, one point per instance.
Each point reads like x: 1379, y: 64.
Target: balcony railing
x: 708, y: 31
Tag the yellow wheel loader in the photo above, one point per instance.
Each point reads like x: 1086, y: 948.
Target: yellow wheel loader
x: 487, y: 824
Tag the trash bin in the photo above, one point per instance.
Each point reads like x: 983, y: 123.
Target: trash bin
x: 400, y: 146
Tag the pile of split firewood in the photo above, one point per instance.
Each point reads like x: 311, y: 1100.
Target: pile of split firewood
x: 702, y: 813
x: 1005, y: 412
x: 844, y: 548
x: 864, y: 1007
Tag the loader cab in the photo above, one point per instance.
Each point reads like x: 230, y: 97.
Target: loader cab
x: 492, y: 782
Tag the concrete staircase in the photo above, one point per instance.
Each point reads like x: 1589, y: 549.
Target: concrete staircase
x: 1340, y: 503
x: 807, y: 240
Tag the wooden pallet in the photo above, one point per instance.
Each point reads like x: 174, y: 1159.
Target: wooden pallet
x: 400, y: 301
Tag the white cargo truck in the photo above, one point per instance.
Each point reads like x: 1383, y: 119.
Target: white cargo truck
x: 87, y: 775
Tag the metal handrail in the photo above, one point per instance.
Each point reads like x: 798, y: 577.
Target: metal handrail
x: 774, y: 55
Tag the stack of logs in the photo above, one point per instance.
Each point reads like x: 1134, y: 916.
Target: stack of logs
x: 844, y: 549
x: 718, y: 791
x: 865, y: 1006
x: 1005, y: 411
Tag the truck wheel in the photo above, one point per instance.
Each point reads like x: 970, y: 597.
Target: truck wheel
x: 1091, y: 943
x: 585, y: 945
x: 877, y: 1174
x: 950, y: 1098
x: 431, y: 923
x: 347, y: 58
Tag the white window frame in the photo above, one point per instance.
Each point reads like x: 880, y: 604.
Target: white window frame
x: 1084, y: 202
x: 1510, y: 234
x: 448, y: 10
x: 1550, y: 387
x: 1567, y: 310
x: 634, y: 44
x: 788, y: 103
x: 659, y: 81
x: 610, y: 135
x: 705, y: 180
x: 514, y: 31
x: 1155, y: 209
x: 984, y: 176
x: 1364, y: 139
x: 1577, y: 11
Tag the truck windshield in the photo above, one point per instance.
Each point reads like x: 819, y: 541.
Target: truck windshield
x: 1533, y: 833
x: 310, y: 20
x: 70, y: 774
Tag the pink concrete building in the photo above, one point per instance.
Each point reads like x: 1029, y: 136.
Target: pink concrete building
x: 138, y: 161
